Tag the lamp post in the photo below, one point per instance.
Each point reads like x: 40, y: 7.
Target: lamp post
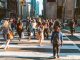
x: 22, y: 4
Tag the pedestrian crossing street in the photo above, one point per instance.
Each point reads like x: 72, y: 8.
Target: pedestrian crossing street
x: 31, y: 49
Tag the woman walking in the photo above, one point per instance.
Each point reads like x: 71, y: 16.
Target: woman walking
x: 6, y: 33
x: 19, y: 29
x: 40, y: 35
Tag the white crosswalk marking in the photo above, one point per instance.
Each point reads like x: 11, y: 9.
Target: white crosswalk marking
x: 68, y: 50
x: 46, y: 47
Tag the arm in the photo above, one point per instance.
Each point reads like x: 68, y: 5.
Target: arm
x: 61, y: 38
x: 52, y: 37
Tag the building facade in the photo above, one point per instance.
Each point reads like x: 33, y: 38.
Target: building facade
x: 59, y: 9
x: 77, y: 9
x: 2, y: 8
x: 69, y: 9
x: 12, y: 10
x: 33, y: 8
x: 23, y: 8
x: 37, y: 9
x: 50, y: 9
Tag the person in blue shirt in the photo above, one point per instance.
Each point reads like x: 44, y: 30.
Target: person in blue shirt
x: 56, y: 46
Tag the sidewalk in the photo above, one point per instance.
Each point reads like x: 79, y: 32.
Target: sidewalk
x: 20, y: 52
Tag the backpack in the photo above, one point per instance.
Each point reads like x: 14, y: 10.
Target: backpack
x: 56, y: 38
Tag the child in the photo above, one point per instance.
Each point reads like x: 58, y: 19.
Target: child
x: 56, y: 40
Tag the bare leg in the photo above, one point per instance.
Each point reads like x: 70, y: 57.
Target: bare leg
x: 7, y: 43
x: 40, y: 41
x: 29, y: 38
x: 54, y: 51
x: 58, y: 51
x: 19, y: 33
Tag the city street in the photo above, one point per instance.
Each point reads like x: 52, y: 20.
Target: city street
x: 30, y: 50
x: 39, y: 18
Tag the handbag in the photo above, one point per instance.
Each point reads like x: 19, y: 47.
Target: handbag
x: 10, y: 35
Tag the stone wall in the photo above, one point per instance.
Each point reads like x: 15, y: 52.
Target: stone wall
x: 69, y: 9
x: 51, y: 9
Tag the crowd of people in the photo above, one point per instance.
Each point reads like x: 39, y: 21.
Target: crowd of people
x: 38, y: 28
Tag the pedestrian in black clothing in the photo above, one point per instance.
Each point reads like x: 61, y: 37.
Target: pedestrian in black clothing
x: 19, y: 29
x: 72, y: 27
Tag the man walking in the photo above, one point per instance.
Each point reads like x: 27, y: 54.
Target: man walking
x: 72, y: 27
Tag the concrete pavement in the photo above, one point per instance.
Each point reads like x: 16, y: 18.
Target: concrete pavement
x: 30, y: 50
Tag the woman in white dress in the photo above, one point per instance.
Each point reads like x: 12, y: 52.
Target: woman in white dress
x: 40, y: 35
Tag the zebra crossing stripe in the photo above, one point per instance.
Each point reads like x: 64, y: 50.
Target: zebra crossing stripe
x: 42, y: 54
x: 77, y: 35
x: 72, y: 46
x: 42, y: 47
x: 73, y: 43
x: 39, y: 54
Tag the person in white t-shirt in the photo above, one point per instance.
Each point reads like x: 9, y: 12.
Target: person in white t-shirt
x: 34, y: 26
